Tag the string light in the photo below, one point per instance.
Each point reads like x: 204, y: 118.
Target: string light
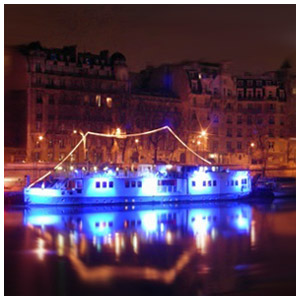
x: 120, y: 136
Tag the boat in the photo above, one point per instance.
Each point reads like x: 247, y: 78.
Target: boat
x: 143, y: 183
x: 277, y: 187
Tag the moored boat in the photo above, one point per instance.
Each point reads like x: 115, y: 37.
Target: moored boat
x: 146, y: 183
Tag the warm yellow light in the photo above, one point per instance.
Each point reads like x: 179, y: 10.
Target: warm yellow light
x: 136, y: 141
x: 41, y: 137
x: 198, y: 142
x: 203, y: 133
x: 118, y: 131
x: 74, y: 131
x: 252, y: 144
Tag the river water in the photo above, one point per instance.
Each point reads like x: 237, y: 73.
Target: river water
x: 223, y: 248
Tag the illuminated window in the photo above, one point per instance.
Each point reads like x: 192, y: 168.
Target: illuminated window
x: 86, y: 100
x: 109, y: 102
x: 98, y: 100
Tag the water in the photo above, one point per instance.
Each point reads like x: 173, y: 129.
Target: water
x: 223, y: 248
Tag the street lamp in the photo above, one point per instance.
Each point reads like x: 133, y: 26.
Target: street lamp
x: 203, y: 133
x: 252, y: 145
x: 41, y: 137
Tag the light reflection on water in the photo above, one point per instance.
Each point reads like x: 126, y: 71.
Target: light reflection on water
x: 212, y: 242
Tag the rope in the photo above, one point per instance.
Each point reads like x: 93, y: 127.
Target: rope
x: 120, y: 136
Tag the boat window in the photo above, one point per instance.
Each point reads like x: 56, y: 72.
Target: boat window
x: 97, y: 184
x: 104, y: 184
x: 111, y: 184
x: 193, y: 183
x: 133, y: 183
x: 110, y: 224
x: 127, y: 184
x: 236, y: 182
x: 79, y: 184
x: 209, y: 182
x: 244, y: 181
x: 215, y: 183
x: 204, y: 183
x: 232, y: 182
x: 139, y: 184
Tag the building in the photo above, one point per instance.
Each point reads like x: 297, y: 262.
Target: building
x: 60, y: 94
x: 239, y: 120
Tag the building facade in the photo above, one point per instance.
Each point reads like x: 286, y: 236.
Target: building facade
x: 234, y: 120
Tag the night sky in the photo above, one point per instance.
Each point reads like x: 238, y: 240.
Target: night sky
x: 256, y: 38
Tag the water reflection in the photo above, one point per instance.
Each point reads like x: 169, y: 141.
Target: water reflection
x: 215, y: 247
x: 121, y: 230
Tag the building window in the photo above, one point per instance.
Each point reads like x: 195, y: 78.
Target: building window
x: 98, y: 100
x: 270, y: 95
x: 215, y: 131
x: 38, y: 126
x: 229, y: 132
x: 39, y: 99
x: 229, y: 120
x: 271, y: 120
x: 215, y: 146
x: 216, y: 119
x: 239, y: 145
x: 239, y: 132
x: 37, y: 156
x: 258, y: 83
x: 86, y: 100
x: 61, y: 143
x: 272, y: 108
x: 39, y: 117
x: 240, y: 94
x: 61, y: 156
x: 250, y: 94
x: 249, y: 120
x: 249, y: 82
x: 271, y: 145
x: 51, y: 100
x: 50, y: 156
x: 240, y: 108
x: 240, y: 83
x: 271, y: 133
x: 239, y: 119
x: 249, y: 132
x: 50, y: 144
x: 228, y: 146
x: 109, y: 102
